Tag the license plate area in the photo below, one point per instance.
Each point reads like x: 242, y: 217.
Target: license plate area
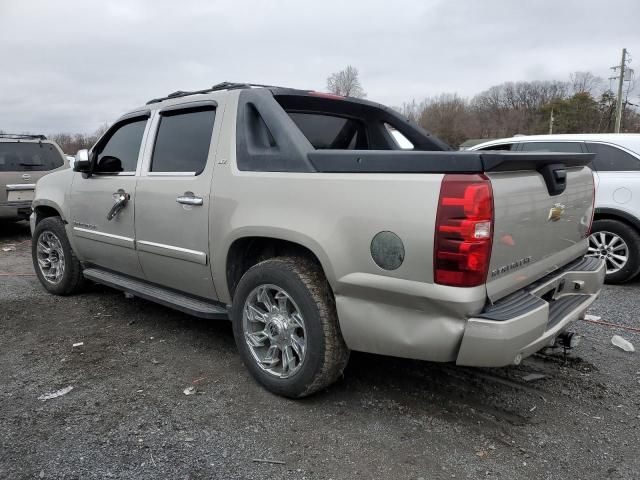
x: 19, y: 195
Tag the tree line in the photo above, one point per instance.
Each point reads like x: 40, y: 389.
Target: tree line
x: 70, y: 143
x: 581, y: 104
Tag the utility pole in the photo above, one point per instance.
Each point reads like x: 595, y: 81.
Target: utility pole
x: 551, y: 123
x: 620, y: 84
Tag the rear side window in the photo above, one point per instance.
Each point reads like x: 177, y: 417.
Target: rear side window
x: 29, y: 157
x: 611, y: 159
x: 123, y: 147
x: 331, y: 131
x: 499, y: 146
x: 568, y: 147
x: 182, y: 141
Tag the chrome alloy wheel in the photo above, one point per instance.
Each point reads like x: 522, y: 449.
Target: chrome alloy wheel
x: 50, y: 257
x: 274, y: 330
x: 611, y: 247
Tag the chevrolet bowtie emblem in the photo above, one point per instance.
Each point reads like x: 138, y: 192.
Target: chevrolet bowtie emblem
x: 556, y: 212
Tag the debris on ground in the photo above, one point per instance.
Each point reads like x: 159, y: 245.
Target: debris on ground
x: 79, y: 344
x: 267, y: 460
x: 9, y: 248
x: 481, y: 453
x: 623, y: 344
x: 189, y: 391
x: 59, y: 393
x: 592, y: 317
x: 532, y: 377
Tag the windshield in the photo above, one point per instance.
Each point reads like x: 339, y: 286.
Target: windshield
x: 20, y: 157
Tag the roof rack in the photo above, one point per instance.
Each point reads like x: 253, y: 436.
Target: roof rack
x: 215, y: 88
x: 22, y: 136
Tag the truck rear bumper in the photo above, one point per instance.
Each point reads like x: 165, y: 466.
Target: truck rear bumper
x: 527, y: 321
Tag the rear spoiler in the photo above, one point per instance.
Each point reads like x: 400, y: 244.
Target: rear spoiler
x: 394, y: 161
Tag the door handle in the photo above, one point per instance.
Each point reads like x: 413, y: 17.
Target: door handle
x: 188, y: 198
x: 122, y: 198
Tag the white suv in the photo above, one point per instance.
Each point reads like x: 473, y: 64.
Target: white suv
x: 616, y: 228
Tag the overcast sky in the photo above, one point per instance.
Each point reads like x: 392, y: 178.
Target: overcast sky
x: 69, y: 66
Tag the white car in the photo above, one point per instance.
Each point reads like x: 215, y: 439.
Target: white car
x: 615, y: 235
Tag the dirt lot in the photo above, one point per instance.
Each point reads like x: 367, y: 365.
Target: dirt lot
x: 127, y: 415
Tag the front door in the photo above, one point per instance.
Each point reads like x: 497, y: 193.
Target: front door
x: 172, y: 199
x: 102, y: 205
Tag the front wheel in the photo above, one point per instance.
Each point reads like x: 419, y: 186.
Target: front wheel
x: 286, y: 327
x: 619, y: 245
x: 55, y: 264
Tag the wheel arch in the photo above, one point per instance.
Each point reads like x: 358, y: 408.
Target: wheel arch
x: 44, y: 209
x: 246, y: 251
x: 620, y: 215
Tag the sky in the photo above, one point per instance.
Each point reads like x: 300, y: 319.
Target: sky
x: 72, y: 65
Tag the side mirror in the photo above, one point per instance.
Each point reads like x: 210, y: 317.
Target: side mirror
x: 82, y: 163
x: 109, y: 164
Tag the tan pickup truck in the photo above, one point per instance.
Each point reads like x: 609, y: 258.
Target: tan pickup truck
x: 302, y: 218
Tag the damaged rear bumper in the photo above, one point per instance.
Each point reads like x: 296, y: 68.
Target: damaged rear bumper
x: 527, y: 321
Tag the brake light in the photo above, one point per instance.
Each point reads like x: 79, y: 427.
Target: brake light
x: 464, y: 229
x: 326, y: 95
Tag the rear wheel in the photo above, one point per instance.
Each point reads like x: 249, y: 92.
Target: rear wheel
x: 55, y: 264
x: 618, y: 245
x: 286, y: 327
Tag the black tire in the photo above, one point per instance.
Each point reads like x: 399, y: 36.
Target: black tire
x: 71, y: 280
x: 326, y: 353
x: 631, y: 237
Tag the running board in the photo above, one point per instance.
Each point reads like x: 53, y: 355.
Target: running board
x: 168, y: 298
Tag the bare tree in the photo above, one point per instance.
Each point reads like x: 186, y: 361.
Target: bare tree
x: 71, y: 143
x: 586, y: 82
x: 346, y: 82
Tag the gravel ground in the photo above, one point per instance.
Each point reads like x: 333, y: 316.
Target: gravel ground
x: 127, y: 415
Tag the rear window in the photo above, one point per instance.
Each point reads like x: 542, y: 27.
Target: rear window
x: 29, y: 157
x: 331, y: 131
x: 612, y: 159
x: 569, y: 147
x: 499, y: 146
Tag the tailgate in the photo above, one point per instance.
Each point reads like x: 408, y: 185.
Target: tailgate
x: 17, y: 186
x: 542, y: 205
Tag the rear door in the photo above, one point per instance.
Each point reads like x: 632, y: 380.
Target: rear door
x: 102, y: 205
x: 618, y: 172
x: 173, y: 198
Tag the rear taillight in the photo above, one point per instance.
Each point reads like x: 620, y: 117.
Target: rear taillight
x: 464, y: 229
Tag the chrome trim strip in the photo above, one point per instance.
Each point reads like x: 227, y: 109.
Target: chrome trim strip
x: 13, y: 187
x: 115, y: 174
x: 171, y: 174
x: 104, y: 237
x: 173, y: 252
